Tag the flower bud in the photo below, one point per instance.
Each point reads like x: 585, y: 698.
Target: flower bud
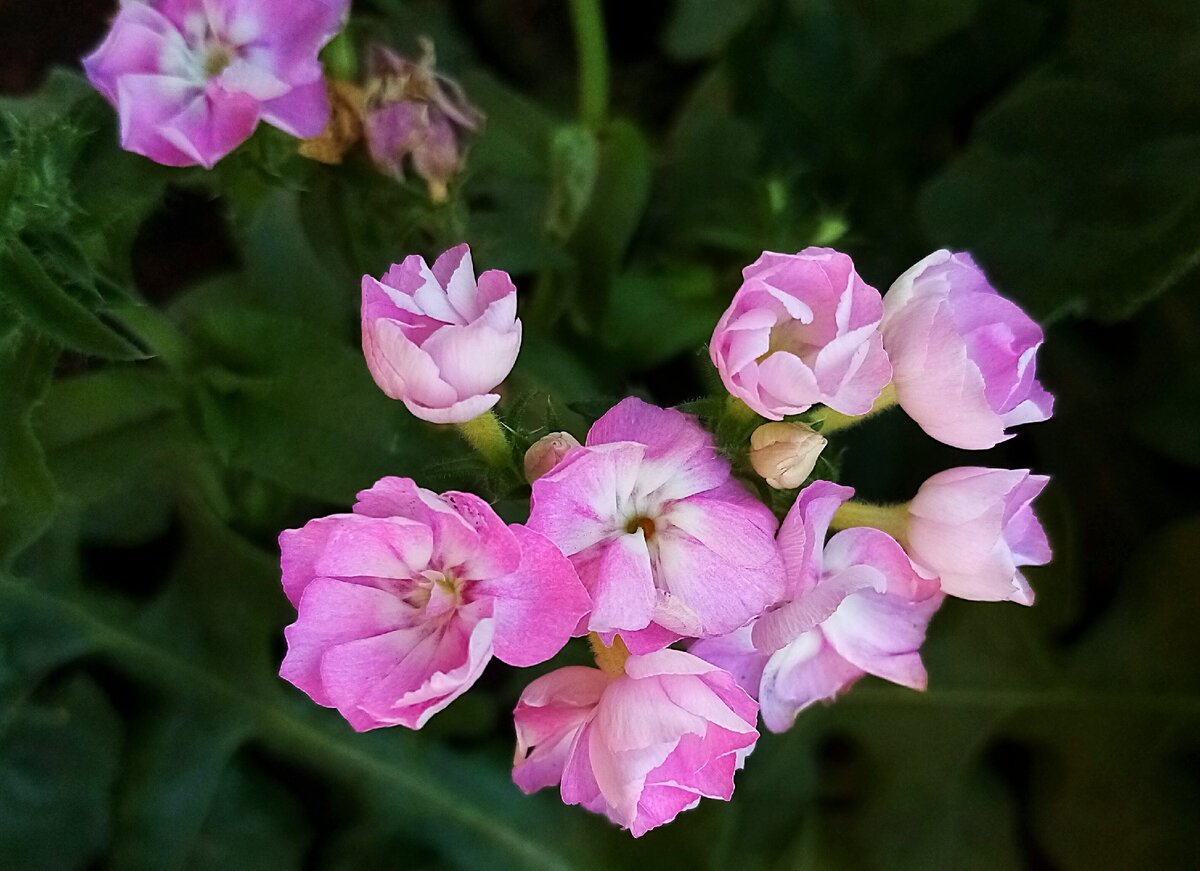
x: 546, y: 453
x: 785, y: 453
x: 415, y: 113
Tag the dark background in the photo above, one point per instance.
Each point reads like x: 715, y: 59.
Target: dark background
x: 141, y: 722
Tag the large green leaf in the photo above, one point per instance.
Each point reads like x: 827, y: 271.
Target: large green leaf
x: 1077, y: 190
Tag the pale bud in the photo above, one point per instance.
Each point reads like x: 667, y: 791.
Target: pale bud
x: 546, y: 453
x: 785, y: 453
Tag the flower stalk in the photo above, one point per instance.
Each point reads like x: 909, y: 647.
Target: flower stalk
x: 486, y: 435
x: 831, y: 421
x: 591, y: 45
x: 892, y: 519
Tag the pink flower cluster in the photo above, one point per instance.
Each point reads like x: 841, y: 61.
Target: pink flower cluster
x: 702, y: 609
x: 805, y: 329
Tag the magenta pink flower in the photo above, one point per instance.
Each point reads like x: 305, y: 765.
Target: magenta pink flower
x: 964, y: 357
x: 403, y: 602
x: 667, y: 543
x: 191, y: 79
x: 802, y: 329
x: 975, y: 527
x: 640, y: 746
x: 855, y: 605
x: 437, y: 339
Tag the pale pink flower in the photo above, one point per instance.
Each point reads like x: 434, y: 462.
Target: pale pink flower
x: 666, y: 542
x: 437, y: 339
x: 546, y: 453
x: 191, y: 79
x: 964, y: 358
x: 802, y: 329
x: 975, y: 528
x: 403, y: 602
x: 640, y: 746
x: 855, y: 606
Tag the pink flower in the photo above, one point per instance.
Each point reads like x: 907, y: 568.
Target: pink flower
x: 191, y: 79
x: 802, y: 329
x: 438, y: 340
x: 667, y: 543
x: 639, y: 746
x: 964, y: 357
x: 403, y: 602
x: 855, y: 606
x: 975, y: 527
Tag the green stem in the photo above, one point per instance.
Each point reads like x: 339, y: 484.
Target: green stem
x: 590, y: 42
x: 486, y: 435
x: 831, y: 421
x: 892, y: 519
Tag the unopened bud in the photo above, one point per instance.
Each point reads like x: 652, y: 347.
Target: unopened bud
x: 785, y: 453
x: 546, y: 453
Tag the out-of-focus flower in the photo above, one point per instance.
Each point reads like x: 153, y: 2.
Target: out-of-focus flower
x: 975, y: 527
x: 403, y: 602
x: 802, y: 329
x: 345, y: 126
x: 784, y: 454
x: 855, y: 605
x: 437, y: 339
x: 546, y: 453
x: 963, y: 357
x: 415, y: 113
x: 640, y: 744
x: 191, y: 79
x: 667, y: 543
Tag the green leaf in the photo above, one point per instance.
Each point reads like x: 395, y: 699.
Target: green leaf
x: 605, y: 230
x: 27, y: 490
x: 574, y: 165
x: 289, y: 403
x: 1070, y: 191
x: 46, y: 307
x: 699, y: 29
x: 653, y: 317
x: 59, y: 756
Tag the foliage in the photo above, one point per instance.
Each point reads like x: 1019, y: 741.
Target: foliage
x: 152, y: 444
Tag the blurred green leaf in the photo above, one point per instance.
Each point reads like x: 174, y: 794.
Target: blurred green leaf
x: 45, y: 306
x: 699, y: 29
x: 574, y: 161
x: 1070, y: 191
x: 292, y: 404
x: 653, y: 317
x: 27, y: 490
x: 59, y: 756
x: 605, y: 230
